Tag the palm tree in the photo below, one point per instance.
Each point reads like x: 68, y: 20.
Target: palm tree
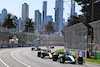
x: 49, y: 28
x: 29, y: 26
x: 9, y: 22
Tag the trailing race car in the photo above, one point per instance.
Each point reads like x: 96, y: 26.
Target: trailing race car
x: 62, y: 57
x: 50, y: 46
x: 36, y: 48
x: 44, y: 52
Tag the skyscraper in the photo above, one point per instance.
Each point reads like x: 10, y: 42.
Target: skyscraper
x: 4, y: 14
x: 44, y: 13
x: 72, y: 8
x: 25, y: 14
x: 49, y: 19
x: 38, y: 20
x: 59, y: 15
x: 25, y: 11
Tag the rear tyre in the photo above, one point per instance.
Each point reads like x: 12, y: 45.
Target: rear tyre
x: 53, y: 47
x: 80, y: 60
x: 39, y: 54
x: 42, y: 55
x: 55, y: 57
x: 62, y: 60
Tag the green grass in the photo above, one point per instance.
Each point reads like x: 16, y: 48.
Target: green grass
x: 92, y: 60
x: 61, y: 50
x: 86, y: 59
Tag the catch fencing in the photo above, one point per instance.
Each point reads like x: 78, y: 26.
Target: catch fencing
x: 96, y: 31
x: 23, y: 37
x: 28, y: 38
x: 75, y: 36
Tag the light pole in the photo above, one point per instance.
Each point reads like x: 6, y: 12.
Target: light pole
x: 92, y: 17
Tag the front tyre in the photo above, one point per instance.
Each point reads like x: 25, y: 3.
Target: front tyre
x: 32, y: 49
x: 62, y: 60
x: 39, y: 54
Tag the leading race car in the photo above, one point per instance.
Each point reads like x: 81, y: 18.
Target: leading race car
x: 62, y: 57
x: 36, y: 48
x: 44, y: 52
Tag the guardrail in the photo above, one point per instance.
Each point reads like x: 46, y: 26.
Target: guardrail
x: 26, y: 45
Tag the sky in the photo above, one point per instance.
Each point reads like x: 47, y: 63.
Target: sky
x: 15, y: 7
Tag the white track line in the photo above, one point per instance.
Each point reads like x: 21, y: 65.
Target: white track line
x: 2, y: 60
x: 19, y: 60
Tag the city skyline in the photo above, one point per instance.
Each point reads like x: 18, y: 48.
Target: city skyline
x: 14, y: 7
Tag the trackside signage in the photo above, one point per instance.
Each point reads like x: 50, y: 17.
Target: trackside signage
x: 73, y: 52
x: 82, y: 53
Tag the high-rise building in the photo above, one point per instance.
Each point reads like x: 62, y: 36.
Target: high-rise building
x: 0, y: 17
x: 73, y: 8
x: 19, y: 25
x: 38, y: 20
x: 25, y: 14
x: 44, y: 13
x: 4, y: 14
x: 49, y: 19
x: 59, y: 15
x: 25, y: 11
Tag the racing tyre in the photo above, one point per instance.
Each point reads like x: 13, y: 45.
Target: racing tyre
x: 62, y: 60
x: 39, y: 49
x: 42, y: 55
x: 39, y: 54
x: 74, y: 62
x: 53, y: 47
x: 80, y: 60
x: 32, y: 49
x: 55, y: 57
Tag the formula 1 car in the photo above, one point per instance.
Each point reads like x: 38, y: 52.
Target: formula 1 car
x: 50, y: 46
x: 36, y: 48
x: 44, y: 52
x: 62, y: 57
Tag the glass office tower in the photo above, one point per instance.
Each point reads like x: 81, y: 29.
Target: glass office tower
x: 37, y: 20
x: 59, y: 15
x: 44, y: 13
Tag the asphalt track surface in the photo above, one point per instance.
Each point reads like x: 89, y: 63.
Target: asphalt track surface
x: 24, y: 57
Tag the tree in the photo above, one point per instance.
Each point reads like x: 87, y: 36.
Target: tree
x: 86, y: 17
x: 76, y: 19
x: 49, y: 28
x: 9, y: 22
x: 91, y: 10
x: 29, y: 26
x: 87, y: 9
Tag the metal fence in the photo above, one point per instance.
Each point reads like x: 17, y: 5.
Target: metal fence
x: 23, y: 37
x: 28, y: 38
x: 96, y: 41
x: 51, y: 39
x: 75, y: 37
